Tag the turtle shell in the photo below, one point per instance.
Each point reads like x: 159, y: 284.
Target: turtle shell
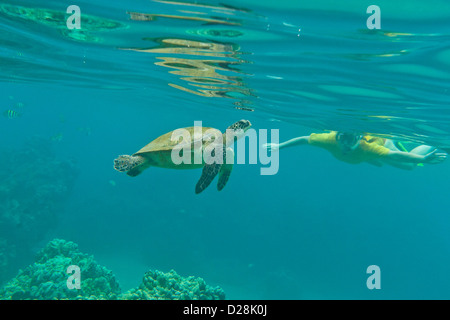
x: 168, y: 141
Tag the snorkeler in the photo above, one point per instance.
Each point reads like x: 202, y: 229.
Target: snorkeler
x: 356, y: 148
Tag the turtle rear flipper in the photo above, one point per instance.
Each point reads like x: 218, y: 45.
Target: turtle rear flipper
x: 137, y: 170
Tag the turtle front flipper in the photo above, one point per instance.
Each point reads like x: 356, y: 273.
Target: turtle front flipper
x: 132, y: 165
x: 209, y: 172
x: 211, y: 169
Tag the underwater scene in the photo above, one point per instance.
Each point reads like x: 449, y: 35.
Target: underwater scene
x: 224, y: 150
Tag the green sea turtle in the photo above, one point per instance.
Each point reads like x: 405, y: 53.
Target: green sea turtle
x: 164, y: 150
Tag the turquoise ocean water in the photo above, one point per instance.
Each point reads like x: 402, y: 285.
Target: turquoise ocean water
x: 138, y: 69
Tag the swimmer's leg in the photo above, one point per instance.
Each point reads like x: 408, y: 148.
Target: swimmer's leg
x: 401, y: 165
x: 422, y: 150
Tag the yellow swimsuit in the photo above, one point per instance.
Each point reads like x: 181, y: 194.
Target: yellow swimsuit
x: 370, y: 148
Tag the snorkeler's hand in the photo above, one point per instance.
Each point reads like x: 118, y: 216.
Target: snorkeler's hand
x: 271, y: 146
x: 435, y: 157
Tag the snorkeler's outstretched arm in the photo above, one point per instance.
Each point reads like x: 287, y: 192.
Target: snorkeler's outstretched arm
x: 289, y: 143
x: 433, y: 157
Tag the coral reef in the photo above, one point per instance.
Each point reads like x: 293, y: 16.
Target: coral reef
x: 47, y: 278
x: 157, y: 285
x: 34, y: 185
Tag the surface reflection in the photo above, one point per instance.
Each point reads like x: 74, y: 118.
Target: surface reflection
x: 206, y: 67
x: 215, y: 74
x: 56, y: 19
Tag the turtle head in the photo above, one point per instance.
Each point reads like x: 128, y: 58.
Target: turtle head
x: 240, y: 125
x: 236, y: 130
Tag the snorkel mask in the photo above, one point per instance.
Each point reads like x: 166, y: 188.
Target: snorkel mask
x: 348, y: 141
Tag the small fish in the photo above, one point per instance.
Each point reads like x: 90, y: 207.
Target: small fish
x: 85, y: 130
x: 244, y: 108
x: 57, y: 137
x: 112, y: 183
x: 19, y: 105
x: 11, y: 114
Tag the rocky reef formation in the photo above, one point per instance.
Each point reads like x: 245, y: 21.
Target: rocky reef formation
x: 34, y: 186
x: 47, y: 279
x: 157, y: 285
